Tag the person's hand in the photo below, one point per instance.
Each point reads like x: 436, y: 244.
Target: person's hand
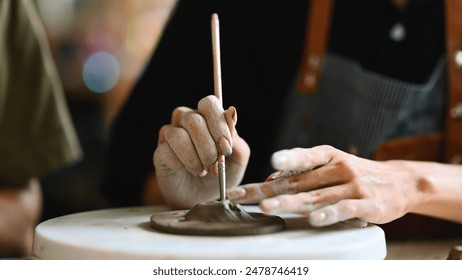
x: 20, y: 211
x: 329, y: 186
x: 185, y: 159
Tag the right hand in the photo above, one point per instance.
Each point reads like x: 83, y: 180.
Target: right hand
x: 185, y: 159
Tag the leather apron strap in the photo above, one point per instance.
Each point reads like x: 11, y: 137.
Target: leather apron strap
x: 412, y: 225
x: 316, y: 37
x: 453, y: 130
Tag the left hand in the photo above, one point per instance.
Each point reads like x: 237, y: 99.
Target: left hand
x: 330, y: 186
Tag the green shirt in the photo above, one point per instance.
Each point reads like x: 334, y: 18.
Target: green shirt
x: 36, y: 132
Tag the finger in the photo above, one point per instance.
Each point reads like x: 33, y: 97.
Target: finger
x: 165, y: 160
x: 255, y: 192
x: 304, y: 159
x: 355, y: 222
x: 177, y: 115
x: 161, y: 138
x: 341, y: 211
x: 295, y: 181
x: 238, y: 160
x: 241, y: 150
x: 290, y: 182
x: 204, y: 144
x: 304, y: 202
x: 274, y: 176
x: 300, y: 204
x: 250, y: 193
x: 297, y: 203
x: 231, y: 120
x: 181, y: 144
x: 211, y: 109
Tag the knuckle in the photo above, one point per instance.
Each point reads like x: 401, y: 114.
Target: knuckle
x: 343, y: 210
x: 268, y: 190
x: 359, y: 190
x: 347, y: 169
x: 286, y: 200
x: 206, y: 102
x: 164, y: 157
x: 196, y: 169
x: 288, y: 185
x: 255, y: 193
x: 313, y: 195
x: 161, y: 136
x: 178, y: 113
x: 210, y: 158
x: 327, y: 148
x: 356, y: 190
x: 175, y: 134
x: 345, y: 206
x: 192, y: 121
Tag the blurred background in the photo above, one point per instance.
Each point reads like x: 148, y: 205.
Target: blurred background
x: 100, y: 48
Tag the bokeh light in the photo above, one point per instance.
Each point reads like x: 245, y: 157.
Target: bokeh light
x: 78, y: 29
x: 101, y: 72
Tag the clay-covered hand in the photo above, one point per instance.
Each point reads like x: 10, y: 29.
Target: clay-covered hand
x: 185, y: 159
x: 330, y: 186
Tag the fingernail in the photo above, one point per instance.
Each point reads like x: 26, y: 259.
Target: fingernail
x: 225, y: 147
x: 233, y: 111
x: 236, y: 193
x: 275, y: 175
x: 270, y: 204
x: 202, y: 173
x: 278, y: 160
x: 318, y: 218
x: 213, y: 169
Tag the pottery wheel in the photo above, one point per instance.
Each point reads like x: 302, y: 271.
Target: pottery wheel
x: 216, y: 218
x: 126, y: 233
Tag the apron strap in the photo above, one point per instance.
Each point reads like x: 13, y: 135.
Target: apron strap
x: 316, y: 37
x: 453, y: 133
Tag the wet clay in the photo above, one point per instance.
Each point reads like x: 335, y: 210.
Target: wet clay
x: 216, y: 218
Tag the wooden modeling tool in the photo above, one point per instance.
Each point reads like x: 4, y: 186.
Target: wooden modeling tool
x: 215, y: 24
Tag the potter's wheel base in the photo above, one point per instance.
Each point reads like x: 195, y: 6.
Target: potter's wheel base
x: 126, y: 234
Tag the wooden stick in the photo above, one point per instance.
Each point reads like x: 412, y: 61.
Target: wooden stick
x: 216, y: 57
x: 218, y: 93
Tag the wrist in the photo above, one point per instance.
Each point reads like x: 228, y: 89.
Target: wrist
x: 438, y: 189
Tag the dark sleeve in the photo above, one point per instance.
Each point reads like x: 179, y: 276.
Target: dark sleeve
x: 179, y: 73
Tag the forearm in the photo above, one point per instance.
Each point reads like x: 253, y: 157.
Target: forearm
x: 440, y: 189
x: 20, y: 211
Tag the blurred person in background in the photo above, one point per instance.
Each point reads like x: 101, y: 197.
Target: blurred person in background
x: 37, y: 136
